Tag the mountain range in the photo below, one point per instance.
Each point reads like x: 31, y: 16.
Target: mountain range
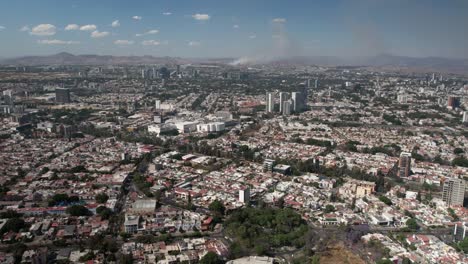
x: 381, y: 61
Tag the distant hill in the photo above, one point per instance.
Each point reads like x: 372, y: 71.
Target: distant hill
x: 70, y: 59
x: 381, y: 61
x: 385, y: 61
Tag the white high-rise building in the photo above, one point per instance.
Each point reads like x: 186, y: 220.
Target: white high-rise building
x: 270, y: 102
x: 283, y: 96
x: 465, y: 117
x: 286, y: 109
x: 157, y: 104
x: 244, y: 195
x: 453, y: 192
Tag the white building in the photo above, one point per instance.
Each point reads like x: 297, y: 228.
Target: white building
x: 465, y: 117
x: 186, y: 127
x: 244, y: 195
x: 453, y: 192
x: 211, y: 127
x: 270, y: 102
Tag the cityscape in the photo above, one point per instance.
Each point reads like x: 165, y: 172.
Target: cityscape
x: 124, y: 151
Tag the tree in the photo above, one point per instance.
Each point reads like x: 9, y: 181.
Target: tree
x: 412, y: 224
x: 458, y: 151
x: 211, y: 258
x: 463, y: 245
x: 217, y: 207
x: 102, y: 198
x: 78, y: 210
x: 385, y: 200
x: 329, y: 209
x: 13, y: 224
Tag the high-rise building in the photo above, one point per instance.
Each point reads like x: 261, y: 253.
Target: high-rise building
x: 316, y: 83
x: 283, y: 96
x: 404, y: 165
x: 465, y: 117
x: 157, y: 104
x: 453, y: 192
x: 244, y: 195
x: 62, y: 95
x: 270, y: 102
x: 8, y: 97
x: 453, y: 102
x: 268, y: 164
x: 286, y: 109
x: 298, y: 100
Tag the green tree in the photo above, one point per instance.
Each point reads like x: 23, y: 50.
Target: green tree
x: 102, y: 198
x: 211, y: 258
x: 217, y: 207
x: 412, y: 224
x: 78, y: 210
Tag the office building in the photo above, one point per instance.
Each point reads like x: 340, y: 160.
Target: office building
x: 287, y: 107
x: 460, y: 231
x: 453, y: 192
x: 244, y: 195
x: 465, y: 117
x: 298, y: 101
x: 268, y: 165
x: 402, y: 98
x: 453, y: 102
x: 270, y: 102
x: 283, y: 96
x: 316, y: 83
x: 157, y: 104
x: 62, y: 95
x: 404, y: 164
x: 8, y: 97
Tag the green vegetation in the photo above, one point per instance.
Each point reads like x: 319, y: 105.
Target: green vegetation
x: 217, y: 207
x: 261, y: 230
x: 211, y: 258
x: 412, y: 224
x: 460, y: 161
x: 463, y: 245
x: 392, y: 119
x: 104, y: 212
x: 458, y: 151
x: 102, y: 198
x: 385, y: 200
x: 78, y: 210
x: 63, y: 198
x: 13, y: 224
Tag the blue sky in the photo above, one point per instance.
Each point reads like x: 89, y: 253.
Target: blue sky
x: 235, y: 28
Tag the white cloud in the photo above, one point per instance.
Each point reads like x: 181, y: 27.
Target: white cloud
x: 72, y: 27
x: 252, y: 36
x: 201, y: 17
x: 2, y: 28
x: 149, y: 32
x: 123, y: 42
x: 167, y: 13
x: 98, y: 34
x: 25, y: 28
x: 88, y: 28
x: 194, y: 43
x: 150, y: 43
x: 279, y: 20
x: 43, y: 30
x: 115, y: 23
x: 137, y: 17
x: 235, y: 26
x: 57, y: 42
